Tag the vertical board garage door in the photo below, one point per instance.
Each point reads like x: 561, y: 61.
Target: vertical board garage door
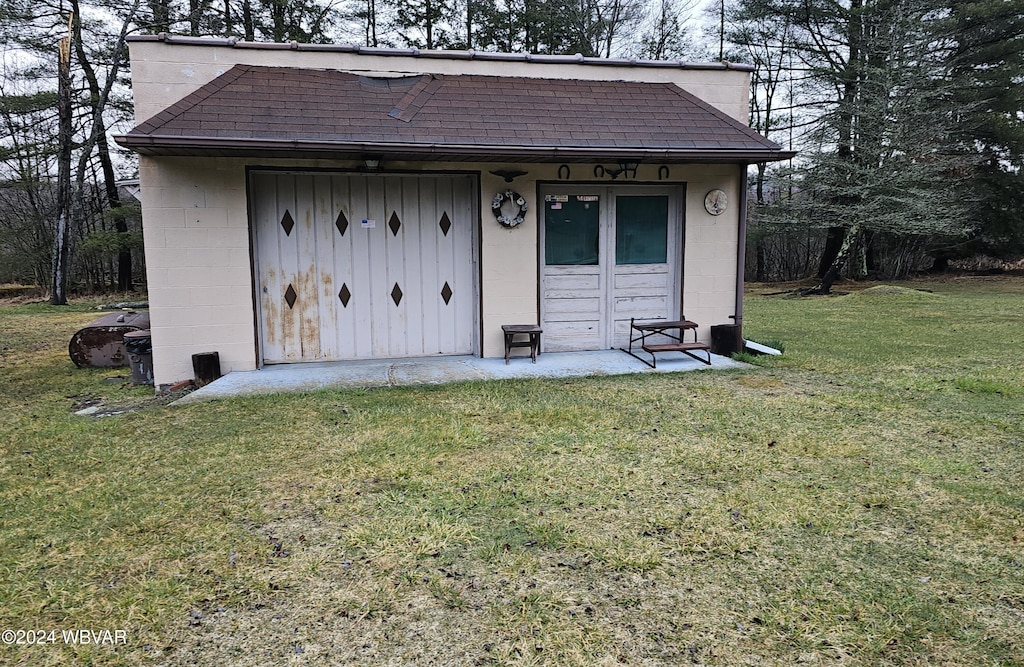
x: 361, y: 266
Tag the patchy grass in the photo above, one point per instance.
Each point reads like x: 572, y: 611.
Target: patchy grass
x: 856, y: 501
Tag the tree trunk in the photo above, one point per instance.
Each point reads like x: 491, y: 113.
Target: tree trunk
x: 838, y: 237
x: 833, y: 242
x: 428, y: 19
x: 124, y: 255
x: 195, y: 10
x: 870, y: 254
x: 852, y: 238
x: 860, y: 254
x: 939, y: 265
x: 373, y: 26
x: 759, y: 183
x: 61, y: 259
x: 161, y: 15
x: 762, y: 266
x: 62, y: 240
x: 721, y: 31
x: 247, y: 21
x: 279, y: 31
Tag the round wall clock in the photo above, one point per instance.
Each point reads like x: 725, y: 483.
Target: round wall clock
x: 716, y: 202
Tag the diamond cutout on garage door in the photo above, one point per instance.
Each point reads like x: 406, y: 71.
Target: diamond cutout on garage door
x: 287, y: 223
x: 394, y: 223
x: 446, y: 293
x: 344, y: 295
x: 341, y: 223
x: 396, y: 294
x: 445, y: 223
x: 290, y: 296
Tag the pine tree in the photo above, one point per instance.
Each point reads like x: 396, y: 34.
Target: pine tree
x: 426, y: 24
x: 881, y: 157
x: 987, y: 64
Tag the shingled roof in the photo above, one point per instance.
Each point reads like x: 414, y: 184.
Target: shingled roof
x: 292, y: 112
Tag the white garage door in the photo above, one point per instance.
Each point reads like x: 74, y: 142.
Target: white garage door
x: 360, y: 266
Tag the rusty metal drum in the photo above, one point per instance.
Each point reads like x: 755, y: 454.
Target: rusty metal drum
x: 100, y: 344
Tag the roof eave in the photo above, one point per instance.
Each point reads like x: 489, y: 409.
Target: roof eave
x: 168, y: 146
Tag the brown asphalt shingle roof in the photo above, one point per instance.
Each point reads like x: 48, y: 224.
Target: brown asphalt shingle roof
x: 291, y: 111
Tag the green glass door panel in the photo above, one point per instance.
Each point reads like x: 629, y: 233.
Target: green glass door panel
x: 571, y: 230
x: 641, y: 229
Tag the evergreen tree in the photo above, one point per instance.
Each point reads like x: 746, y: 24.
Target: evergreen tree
x: 427, y: 24
x: 987, y: 63
x: 881, y: 157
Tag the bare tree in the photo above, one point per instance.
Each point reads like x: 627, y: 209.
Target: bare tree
x: 71, y: 191
x: 663, y: 34
x: 62, y: 237
x: 765, y: 40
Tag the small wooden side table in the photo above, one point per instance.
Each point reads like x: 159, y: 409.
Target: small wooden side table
x: 533, y: 342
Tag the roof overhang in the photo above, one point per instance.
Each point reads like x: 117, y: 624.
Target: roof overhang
x: 182, y: 146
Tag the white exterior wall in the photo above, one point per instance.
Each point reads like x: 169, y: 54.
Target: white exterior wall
x: 710, y: 246
x: 200, y: 273
x: 196, y: 231
x: 197, y: 235
x: 163, y: 73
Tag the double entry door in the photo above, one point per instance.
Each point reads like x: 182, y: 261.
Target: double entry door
x: 608, y: 254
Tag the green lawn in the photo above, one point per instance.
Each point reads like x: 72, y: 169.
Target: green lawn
x: 857, y: 501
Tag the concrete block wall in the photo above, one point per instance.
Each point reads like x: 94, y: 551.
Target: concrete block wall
x: 197, y: 260
x: 710, y: 246
x: 198, y: 250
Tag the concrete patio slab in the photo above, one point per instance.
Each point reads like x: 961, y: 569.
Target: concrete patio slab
x: 438, y: 370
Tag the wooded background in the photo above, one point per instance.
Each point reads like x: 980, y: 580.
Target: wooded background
x: 908, y: 115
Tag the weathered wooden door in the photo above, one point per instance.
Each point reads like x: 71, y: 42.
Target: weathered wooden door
x: 608, y: 254
x: 360, y: 266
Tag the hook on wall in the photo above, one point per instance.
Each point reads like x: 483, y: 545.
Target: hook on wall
x: 509, y: 174
x: 624, y: 167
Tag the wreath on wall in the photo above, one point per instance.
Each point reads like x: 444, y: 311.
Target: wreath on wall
x: 498, y: 207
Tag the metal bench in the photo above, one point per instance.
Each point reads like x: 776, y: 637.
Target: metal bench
x: 675, y: 331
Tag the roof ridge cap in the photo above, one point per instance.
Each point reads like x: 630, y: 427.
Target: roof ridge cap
x: 417, y: 96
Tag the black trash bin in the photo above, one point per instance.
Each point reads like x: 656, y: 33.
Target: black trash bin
x: 139, y: 346
x: 726, y: 339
